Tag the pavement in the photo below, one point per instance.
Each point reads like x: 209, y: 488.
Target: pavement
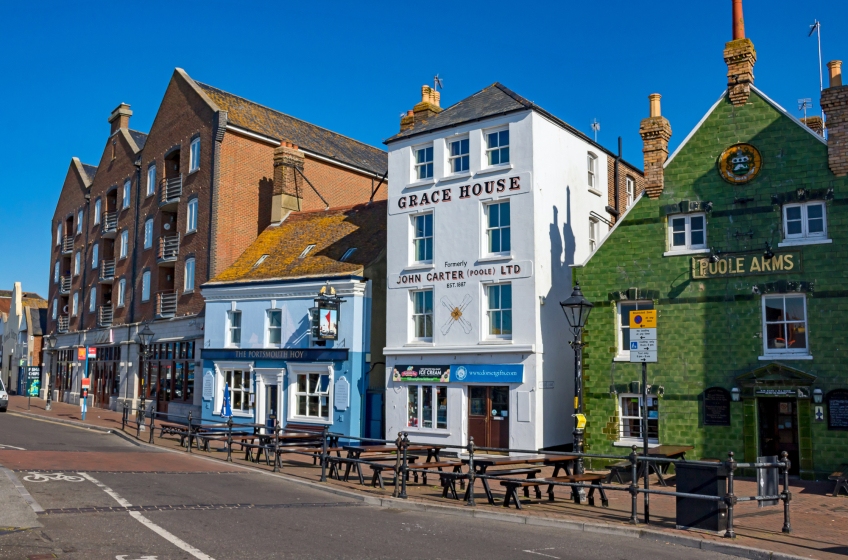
x: 187, y: 491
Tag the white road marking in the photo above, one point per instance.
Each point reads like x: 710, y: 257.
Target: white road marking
x: 124, y: 557
x: 540, y: 554
x: 45, y: 477
x: 170, y: 537
x: 12, y: 447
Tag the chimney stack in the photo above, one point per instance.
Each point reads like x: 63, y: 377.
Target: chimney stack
x: 655, y: 132
x: 740, y: 56
x: 288, y: 160
x: 816, y: 124
x: 426, y: 108
x: 120, y: 118
x: 834, y: 103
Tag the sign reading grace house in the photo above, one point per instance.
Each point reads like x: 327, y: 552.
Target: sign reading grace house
x: 746, y: 265
x: 418, y: 200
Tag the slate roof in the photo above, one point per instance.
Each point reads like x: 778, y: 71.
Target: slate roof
x: 332, y: 232
x: 139, y: 137
x: 90, y: 170
x: 36, y: 321
x: 258, y: 118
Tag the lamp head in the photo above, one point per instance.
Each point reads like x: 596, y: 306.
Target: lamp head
x: 145, y: 336
x: 576, y: 309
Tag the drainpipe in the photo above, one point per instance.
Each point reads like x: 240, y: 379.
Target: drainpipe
x: 137, y: 164
x: 84, y: 264
x: 614, y: 210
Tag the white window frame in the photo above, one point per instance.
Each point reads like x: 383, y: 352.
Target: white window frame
x: 630, y: 189
x: 418, y: 388
x: 621, y: 419
x: 151, y: 180
x: 148, y: 233
x: 592, y: 170
x: 785, y: 352
x: 464, y: 159
x: 689, y: 246
x: 805, y: 233
x: 621, y: 353
x: 77, y: 263
x: 490, y: 230
x: 55, y: 309
x: 74, y: 304
x: 194, y: 155
x: 424, y: 169
x: 501, y: 309
x: 59, y: 233
x: 319, y: 368
x: 95, y: 255
x: 221, y: 369
x: 413, y: 222
x: 413, y: 315
x: 594, y: 233
x: 499, y: 148
x: 231, y: 329
x: 269, y: 328
x: 56, y: 273
x: 92, y: 299
x: 123, y: 250
x: 188, y: 274
x: 191, y: 216
x: 126, y: 194
x: 145, y: 285
x: 122, y: 292
x: 79, y: 222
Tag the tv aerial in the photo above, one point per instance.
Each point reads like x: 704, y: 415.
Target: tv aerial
x: 437, y: 83
x: 596, y: 127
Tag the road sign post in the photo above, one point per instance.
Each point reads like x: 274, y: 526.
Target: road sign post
x: 643, y: 349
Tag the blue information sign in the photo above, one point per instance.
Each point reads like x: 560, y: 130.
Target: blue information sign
x: 487, y: 373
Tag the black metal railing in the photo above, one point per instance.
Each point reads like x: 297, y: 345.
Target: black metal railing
x: 166, y: 304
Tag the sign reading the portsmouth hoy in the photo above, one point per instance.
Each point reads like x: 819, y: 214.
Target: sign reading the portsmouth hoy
x: 746, y: 265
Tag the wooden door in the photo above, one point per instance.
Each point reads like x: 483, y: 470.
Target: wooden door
x: 488, y: 416
x: 478, y: 405
x: 779, y: 429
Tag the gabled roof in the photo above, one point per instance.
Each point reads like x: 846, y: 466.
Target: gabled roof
x: 90, y: 171
x: 332, y: 232
x: 268, y: 122
x: 36, y: 321
x: 139, y: 137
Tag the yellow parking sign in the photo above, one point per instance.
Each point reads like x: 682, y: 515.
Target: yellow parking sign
x: 645, y: 319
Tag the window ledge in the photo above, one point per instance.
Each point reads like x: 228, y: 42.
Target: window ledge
x: 797, y: 242
x: 421, y: 183
x: 492, y: 258
x: 595, y: 191
x: 193, y: 171
x: 496, y: 341
x: 420, y: 266
x: 191, y: 231
x: 773, y: 357
x: 686, y: 252
x: 420, y: 343
x: 494, y: 169
x: 455, y: 177
x: 310, y: 420
x: 630, y: 443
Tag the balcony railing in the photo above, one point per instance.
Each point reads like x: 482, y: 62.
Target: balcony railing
x: 104, y: 316
x: 65, y: 285
x: 64, y: 321
x: 169, y: 249
x: 107, y: 270
x: 170, y: 191
x: 67, y: 244
x: 109, y: 224
x: 166, y: 304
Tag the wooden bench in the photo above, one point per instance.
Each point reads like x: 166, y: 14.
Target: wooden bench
x: 180, y: 430
x: 616, y: 469
x: 530, y: 472
x: 512, y: 488
x: 391, y: 464
x: 841, y: 478
x: 455, y: 465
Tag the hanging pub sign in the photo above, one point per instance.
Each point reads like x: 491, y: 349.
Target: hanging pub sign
x: 740, y: 163
x: 837, y: 409
x: 324, y: 317
x: 716, y: 407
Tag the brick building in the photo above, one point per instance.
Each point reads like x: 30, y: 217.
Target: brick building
x: 161, y: 213
x: 738, y: 246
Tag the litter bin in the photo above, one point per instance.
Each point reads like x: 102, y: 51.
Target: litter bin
x: 707, y: 480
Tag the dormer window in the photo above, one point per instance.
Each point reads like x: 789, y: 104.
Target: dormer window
x: 306, y: 251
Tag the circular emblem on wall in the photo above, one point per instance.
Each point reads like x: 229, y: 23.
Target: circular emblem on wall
x: 740, y: 163
x: 461, y: 372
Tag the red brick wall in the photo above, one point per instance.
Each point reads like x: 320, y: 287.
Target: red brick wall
x: 624, y: 171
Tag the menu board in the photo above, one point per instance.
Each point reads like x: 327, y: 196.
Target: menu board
x: 837, y: 409
x: 716, y: 407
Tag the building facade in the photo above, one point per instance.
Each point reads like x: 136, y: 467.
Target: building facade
x: 289, y: 325
x: 737, y: 246
x: 164, y: 212
x: 490, y: 201
x: 23, y: 316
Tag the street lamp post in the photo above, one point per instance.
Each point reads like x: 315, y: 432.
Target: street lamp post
x: 144, y: 337
x: 50, y: 339
x: 577, y: 310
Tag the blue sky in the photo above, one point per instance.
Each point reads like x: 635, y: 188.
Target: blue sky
x: 355, y: 67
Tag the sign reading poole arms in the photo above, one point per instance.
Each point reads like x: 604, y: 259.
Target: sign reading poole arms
x: 746, y: 265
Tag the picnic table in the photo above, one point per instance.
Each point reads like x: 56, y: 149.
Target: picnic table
x: 665, y: 452
x: 382, y: 453
x: 482, y: 464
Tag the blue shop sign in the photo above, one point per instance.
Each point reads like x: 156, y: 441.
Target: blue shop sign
x: 290, y: 354
x: 488, y: 373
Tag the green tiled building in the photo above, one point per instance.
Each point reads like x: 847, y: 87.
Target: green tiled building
x: 740, y: 242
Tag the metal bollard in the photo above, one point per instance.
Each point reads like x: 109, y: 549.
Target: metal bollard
x: 471, y: 473
x: 324, y: 457
x: 152, y: 425
x: 730, y: 498
x: 786, y: 495
x: 399, y: 445
x: 188, y: 436
x: 634, y: 488
x: 230, y: 439
x: 139, y: 422
x: 276, y: 446
x: 124, y: 417
x: 404, y: 466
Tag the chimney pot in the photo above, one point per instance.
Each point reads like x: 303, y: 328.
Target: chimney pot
x: 655, y: 104
x: 655, y: 132
x: 738, y: 21
x: 835, y: 70
x: 120, y: 117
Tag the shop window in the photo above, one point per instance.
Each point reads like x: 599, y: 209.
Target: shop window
x: 499, y: 300
x: 151, y: 180
x: 785, y: 325
x: 497, y: 147
x: 427, y: 406
x: 275, y: 330
x: 239, y: 382
x: 459, y: 156
x: 498, y: 230
x: 687, y: 232
x: 194, y: 159
x: 312, y: 395
x: 424, y: 163
x: 592, y: 169
x: 624, y: 309
x: 422, y: 315
x: 804, y: 221
x: 422, y: 238
x: 234, y: 337
x: 630, y: 419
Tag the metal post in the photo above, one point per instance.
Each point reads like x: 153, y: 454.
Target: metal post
x: 276, y: 446
x: 786, y: 495
x: 577, y: 434
x: 152, y: 424
x: 634, y: 486
x: 647, y: 467
x: 730, y: 498
x: 188, y: 438
x: 398, y: 453
x: 124, y: 417
x: 471, y: 473
x: 403, y: 472
x: 139, y: 422
x: 229, y: 439
x: 324, y: 457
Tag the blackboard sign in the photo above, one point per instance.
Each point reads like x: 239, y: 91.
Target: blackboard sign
x: 716, y: 407
x: 837, y: 409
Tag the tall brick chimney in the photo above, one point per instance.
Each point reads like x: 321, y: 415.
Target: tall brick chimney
x: 426, y: 108
x: 834, y: 103
x: 120, y: 118
x: 740, y: 56
x: 288, y: 159
x: 655, y: 132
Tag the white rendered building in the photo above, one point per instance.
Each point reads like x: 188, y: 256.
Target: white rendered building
x: 490, y: 201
